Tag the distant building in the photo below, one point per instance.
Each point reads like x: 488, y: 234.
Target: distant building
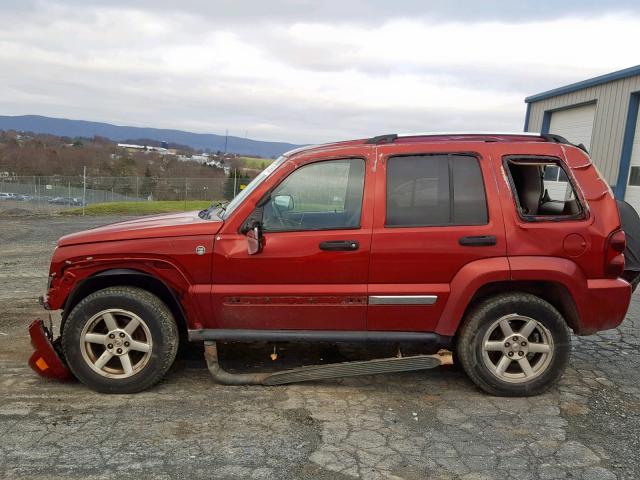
x: 200, y: 158
x: 131, y: 148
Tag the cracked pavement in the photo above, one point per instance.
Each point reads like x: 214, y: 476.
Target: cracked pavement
x: 416, y: 425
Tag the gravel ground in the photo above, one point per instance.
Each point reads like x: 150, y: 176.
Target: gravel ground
x: 432, y: 425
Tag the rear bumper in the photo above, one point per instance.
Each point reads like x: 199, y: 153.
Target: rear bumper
x: 46, y: 361
x: 605, y: 305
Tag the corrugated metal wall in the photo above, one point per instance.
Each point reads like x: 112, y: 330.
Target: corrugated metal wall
x: 608, y: 128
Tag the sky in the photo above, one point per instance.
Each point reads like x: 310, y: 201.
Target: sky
x: 304, y: 71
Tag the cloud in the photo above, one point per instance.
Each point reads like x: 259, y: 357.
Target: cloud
x: 300, y: 71
x: 233, y: 12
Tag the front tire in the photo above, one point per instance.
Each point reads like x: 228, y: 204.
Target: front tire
x: 120, y: 340
x: 514, y: 345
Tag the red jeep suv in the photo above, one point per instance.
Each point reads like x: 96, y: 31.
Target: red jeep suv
x: 492, y: 246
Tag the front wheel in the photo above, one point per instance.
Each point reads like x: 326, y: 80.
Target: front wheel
x: 120, y: 340
x: 514, y: 345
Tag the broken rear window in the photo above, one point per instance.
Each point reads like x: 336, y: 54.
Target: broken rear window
x: 542, y: 189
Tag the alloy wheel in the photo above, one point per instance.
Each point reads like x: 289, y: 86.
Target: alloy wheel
x: 116, y: 343
x: 517, y: 349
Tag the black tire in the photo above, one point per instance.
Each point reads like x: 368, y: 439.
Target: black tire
x: 157, y: 318
x: 477, y: 323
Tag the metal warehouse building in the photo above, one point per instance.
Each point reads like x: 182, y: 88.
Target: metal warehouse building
x: 602, y: 114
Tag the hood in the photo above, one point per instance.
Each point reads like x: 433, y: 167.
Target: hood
x: 156, y: 226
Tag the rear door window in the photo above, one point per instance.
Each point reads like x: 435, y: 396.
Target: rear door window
x: 435, y: 190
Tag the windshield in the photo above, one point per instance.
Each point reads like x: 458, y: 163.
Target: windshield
x: 238, y: 199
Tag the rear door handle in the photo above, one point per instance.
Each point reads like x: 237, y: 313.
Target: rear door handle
x: 339, y: 245
x: 478, y: 241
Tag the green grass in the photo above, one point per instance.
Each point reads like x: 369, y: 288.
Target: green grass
x: 256, y: 163
x: 139, y: 208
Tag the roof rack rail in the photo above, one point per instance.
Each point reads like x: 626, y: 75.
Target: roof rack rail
x: 552, y: 137
x: 474, y: 133
x: 391, y: 137
x: 549, y: 137
x: 380, y: 139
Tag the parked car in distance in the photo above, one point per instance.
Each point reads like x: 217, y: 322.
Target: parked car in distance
x: 469, y: 242
x: 7, y: 196
x: 69, y: 201
x: 24, y: 198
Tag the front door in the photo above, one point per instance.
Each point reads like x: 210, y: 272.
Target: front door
x: 312, y: 271
x: 432, y: 218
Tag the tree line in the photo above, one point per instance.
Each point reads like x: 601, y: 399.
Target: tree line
x: 47, y: 155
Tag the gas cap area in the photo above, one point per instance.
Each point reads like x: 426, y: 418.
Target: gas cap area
x: 574, y: 245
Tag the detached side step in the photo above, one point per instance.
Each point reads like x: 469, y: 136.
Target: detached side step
x: 322, y: 372
x: 353, y: 369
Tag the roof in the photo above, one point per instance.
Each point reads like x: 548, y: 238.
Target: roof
x: 448, y: 136
x: 592, y: 82
x: 465, y: 137
x: 440, y: 137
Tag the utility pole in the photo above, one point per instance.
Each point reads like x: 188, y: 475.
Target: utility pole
x: 84, y: 188
x: 235, y: 181
x: 226, y: 138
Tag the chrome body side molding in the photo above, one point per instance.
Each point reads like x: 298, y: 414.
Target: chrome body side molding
x: 402, y: 299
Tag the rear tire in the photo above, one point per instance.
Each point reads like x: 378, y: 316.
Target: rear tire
x: 120, y: 340
x: 514, y: 344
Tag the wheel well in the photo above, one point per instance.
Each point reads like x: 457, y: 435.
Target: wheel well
x: 554, y: 293
x: 131, y: 278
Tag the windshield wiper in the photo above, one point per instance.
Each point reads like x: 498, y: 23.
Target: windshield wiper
x: 206, y: 213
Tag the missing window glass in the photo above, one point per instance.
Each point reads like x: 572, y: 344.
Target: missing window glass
x: 542, y: 189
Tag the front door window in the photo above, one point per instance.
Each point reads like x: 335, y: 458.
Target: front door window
x: 325, y: 195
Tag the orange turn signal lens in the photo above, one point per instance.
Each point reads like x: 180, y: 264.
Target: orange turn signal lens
x: 41, y: 364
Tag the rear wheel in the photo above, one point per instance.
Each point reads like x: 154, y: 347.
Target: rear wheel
x: 120, y: 340
x: 514, y: 345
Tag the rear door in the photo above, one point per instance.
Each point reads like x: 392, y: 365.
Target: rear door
x: 436, y: 210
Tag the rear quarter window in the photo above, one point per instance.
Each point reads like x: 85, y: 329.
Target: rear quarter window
x: 542, y: 190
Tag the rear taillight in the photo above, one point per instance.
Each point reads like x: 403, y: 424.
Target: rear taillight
x: 614, y: 254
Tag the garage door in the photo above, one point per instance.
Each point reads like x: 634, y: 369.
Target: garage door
x: 632, y: 195
x: 575, y: 124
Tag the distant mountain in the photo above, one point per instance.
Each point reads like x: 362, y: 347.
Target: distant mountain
x: 199, y: 141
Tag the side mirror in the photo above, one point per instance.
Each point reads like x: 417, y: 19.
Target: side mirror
x: 254, y: 240
x: 283, y: 202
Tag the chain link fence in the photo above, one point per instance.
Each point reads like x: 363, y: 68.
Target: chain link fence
x: 52, y: 194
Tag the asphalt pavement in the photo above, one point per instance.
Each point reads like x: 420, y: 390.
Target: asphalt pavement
x: 417, y: 425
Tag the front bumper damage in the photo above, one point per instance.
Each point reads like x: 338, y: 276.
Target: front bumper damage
x: 47, y: 360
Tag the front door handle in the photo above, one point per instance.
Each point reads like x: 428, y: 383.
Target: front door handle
x: 478, y: 241
x: 339, y: 245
